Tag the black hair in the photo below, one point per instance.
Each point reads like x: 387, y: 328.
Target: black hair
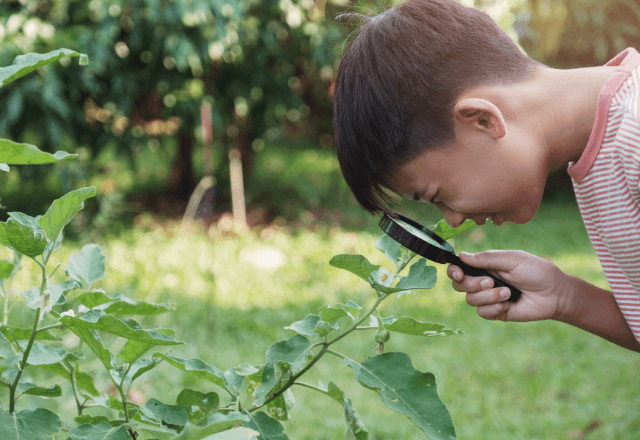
x: 398, y: 82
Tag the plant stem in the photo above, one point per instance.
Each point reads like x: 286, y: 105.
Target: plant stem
x: 49, y: 327
x: 335, y: 353
x: 355, y: 324
x: 313, y: 387
x: 122, y: 396
x: 25, y: 356
x: 72, y: 376
x: 293, y: 378
x: 16, y: 339
x: 325, y: 348
x: 32, y: 338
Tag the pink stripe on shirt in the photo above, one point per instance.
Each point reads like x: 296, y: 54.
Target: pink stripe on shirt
x: 606, y: 179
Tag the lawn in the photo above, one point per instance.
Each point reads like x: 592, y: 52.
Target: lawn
x: 235, y: 294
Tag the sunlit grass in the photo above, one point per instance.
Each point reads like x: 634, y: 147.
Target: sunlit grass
x: 235, y: 294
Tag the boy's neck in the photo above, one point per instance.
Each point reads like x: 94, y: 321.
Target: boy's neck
x: 567, y: 108
x: 553, y: 112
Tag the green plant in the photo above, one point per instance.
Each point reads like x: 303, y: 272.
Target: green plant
x: 257, y: 397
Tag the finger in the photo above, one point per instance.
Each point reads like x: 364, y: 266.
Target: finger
x: 466, y: 283
x: 492, y: 260
x: 487, y: 297
x: 455, y: 273
x: 494, y: 311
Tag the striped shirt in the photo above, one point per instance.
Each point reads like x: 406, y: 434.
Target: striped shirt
x: 606, y: 182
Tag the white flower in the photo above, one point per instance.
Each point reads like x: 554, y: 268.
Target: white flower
x: 44, y: 302
x: 67, y: 313
x: 83, y: 309
x: 382, y: 277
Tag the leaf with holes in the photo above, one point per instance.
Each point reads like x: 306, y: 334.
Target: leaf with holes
x: 407, y: 391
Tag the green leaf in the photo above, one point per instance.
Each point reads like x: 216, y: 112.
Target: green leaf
x: 36, y: 390
x: 24, y: 64
x: 269, y: 429
x: 92, y: 339
x: 420, y: 276
x: 25, y: 239
x: 26, y: 220
x: 23, y: 334
x: 174, y: 416
x: 356, y: 427
x: 24, y: 154
x: 121, y: 305
x: 98, y: 320
x: 411, y: 326
x: 217, y: 422
x: 58, y: 292
x: 87, y: 266
x: 92, y: 298
x: 406, y: 390
x: 291, y: 351
x: 307, y: 325
x: 42, y: 354
x: 391, y: 248
x: 350, y: 307
x: 199, y: 368
x: 132, y: 350
x: 62, y: 211
x: 85, y: 381
x: 199, y: 406
x: 446, y: 232
x: 329, y: 313
x: 6, y: 349
x: 94, y: 420
x: 139, y: 367
x: 4, y: 238
x: 37, y: 424
x: 394, y: 251
x: 356, y: 264
x: 101, y: 431
x: 234, y: 377
x: 332, y: 391
x: 6, y: 269
x: 279, y: 407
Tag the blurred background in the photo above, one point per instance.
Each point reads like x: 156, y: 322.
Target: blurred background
x: 206, y: 127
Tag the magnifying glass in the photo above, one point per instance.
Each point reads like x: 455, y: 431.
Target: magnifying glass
x: 422, y: 241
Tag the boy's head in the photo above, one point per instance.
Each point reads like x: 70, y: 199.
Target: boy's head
x: 398, y: 83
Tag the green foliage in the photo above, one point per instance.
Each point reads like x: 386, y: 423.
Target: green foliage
x: 406, y: 390
x: 401, y: 388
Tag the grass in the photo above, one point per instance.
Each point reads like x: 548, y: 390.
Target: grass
x: 235, y: 294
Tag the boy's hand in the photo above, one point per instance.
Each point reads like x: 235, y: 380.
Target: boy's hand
x: 542, y: 283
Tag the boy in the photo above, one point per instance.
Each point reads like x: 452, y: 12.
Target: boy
x: 434, y: 102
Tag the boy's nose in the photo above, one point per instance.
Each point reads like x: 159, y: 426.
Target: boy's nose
x: 453, y: 218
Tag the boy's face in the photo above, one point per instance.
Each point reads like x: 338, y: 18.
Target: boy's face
x: 478, y: 177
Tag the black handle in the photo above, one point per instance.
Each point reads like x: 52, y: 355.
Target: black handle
x: 477, y: 272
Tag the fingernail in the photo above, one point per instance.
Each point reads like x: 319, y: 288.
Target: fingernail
x: 505, y: 293
x: 458, y: 276
x: 486, y: 283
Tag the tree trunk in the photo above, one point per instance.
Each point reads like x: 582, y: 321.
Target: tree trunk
x: 182, y: 181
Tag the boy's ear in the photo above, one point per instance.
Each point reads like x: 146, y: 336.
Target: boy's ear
x: 484, y: 116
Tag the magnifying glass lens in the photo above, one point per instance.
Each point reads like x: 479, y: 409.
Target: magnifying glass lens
x: 418, y: 233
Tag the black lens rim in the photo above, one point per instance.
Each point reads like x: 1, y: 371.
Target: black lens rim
x: 388, y: 223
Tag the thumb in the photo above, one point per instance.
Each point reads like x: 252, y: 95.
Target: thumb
x: 492, y: 260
